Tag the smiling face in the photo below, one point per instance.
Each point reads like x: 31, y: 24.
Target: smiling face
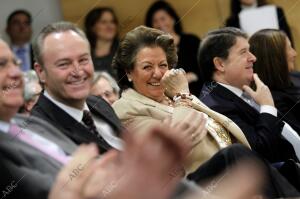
x: 291, y: 55
x: 237, y: 69
x: 11, y: 83
x: 106, y: 27
x: 68, y: 70
x: 163, y: 21
x: 150, y: 66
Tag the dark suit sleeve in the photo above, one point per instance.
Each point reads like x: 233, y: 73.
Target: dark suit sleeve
x: 19, y: 182
x: 283, y: 24
x: 264, y: 137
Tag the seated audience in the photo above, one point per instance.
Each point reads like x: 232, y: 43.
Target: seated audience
x: 32, y: 90
x: 239, y: 5
x: 101, y: 27
x: 19, y: 30
x: 275, y: 60
x: 29, y: 160
x: 230, y: 67
x: 146, y: 55
x: 32, y: 152
x: 106, y: 87
x: 162, y: 16
x: 65, y: 68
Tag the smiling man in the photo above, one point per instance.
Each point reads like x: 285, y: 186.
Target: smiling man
x: 65, y: 69
x: 225, y: 59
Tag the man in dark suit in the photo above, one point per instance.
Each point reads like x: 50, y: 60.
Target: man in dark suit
x: 65, y: 69
x: 32, y: 152
x: 228, y: 65
x: 19, y: 30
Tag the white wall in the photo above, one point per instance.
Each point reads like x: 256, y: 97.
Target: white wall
x: 42, y: 12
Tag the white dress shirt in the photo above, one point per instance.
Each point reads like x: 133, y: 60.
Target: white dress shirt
x: 103, y: 128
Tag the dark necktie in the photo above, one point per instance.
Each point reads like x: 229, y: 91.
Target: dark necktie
x: 89, y: 122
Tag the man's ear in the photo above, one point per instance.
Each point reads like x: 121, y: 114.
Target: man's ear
x: 40, y: 71
x: 219, y: 64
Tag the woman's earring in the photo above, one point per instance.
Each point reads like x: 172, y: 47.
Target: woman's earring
x: 129, y: 79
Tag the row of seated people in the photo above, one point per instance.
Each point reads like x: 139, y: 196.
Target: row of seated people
x: 65, y: 69
x: 228, y: 65
x: 33, y: 151
x: 101, y: 27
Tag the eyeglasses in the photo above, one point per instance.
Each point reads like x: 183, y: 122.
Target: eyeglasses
x: 5, y: 62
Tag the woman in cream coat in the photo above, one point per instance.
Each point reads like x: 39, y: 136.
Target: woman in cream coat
x: 155, y: 94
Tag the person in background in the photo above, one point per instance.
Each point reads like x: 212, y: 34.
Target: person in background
x: 32, y: 90
x: 105, y: 85
x: 162, y: 16
x: 275, y: 60
x: 101, y: 27
x: 19, y: 30
x: 236, y: 6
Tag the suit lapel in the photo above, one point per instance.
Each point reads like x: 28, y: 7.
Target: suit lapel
x: 64, y: 122
x: 244, y: 107
x: 104, y: 111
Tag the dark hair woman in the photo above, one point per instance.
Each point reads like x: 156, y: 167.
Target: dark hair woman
x: 101, y: 26
x: 275, y: 59
x: 162, y: 16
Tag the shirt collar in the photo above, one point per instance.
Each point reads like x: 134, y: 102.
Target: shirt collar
x: 77, y: 114
x: 4, y: 126
x: 233, y: 89
x: 25, y: 46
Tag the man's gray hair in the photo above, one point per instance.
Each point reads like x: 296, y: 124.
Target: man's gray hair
x: 56, y: 27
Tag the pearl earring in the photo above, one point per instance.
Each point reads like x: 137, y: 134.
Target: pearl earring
x: 129, y: 79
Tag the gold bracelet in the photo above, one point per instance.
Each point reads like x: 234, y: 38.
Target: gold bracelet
x: 179, y: 96
x: 184, y: 102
